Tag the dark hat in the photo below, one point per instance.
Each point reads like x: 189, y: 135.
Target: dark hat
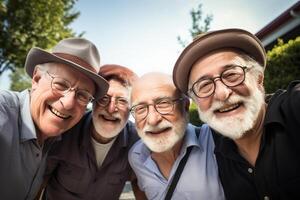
x: 121, y: 73
x: 75, y: 52
x: 211, y: 41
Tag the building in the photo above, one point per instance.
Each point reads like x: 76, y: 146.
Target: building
x: 286, y: 26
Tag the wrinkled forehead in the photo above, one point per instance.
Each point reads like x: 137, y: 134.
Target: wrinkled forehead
x: 151, y: 87
x: 70, y: 74
x: 118, y: 89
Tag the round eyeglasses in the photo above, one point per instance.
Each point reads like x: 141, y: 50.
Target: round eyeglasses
x: 120, y: 102
x: 162, y: 106
x: 231, y: 77
x: 61, y: 87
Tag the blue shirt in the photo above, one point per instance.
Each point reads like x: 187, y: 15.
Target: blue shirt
x: 22, y: 160
x: 199, y: 179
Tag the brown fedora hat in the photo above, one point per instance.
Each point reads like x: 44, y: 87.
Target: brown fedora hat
x: 75, y: 52
x: 214, y: 40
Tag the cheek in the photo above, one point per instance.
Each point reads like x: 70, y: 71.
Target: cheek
x: 125, y: 115
x: 204, y: 103
x: 79, y: 112
x: 97, y: 110
x: 140, y: 125
x: 243, y: 89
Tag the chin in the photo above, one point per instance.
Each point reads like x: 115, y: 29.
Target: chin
x: 165, y: 141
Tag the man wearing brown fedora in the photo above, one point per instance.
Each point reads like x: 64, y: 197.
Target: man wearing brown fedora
x: 94, y: 152
x: 64, y: 81
x: 256, y: 142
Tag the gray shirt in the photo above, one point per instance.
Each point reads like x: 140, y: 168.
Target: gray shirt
x: 22, y: 160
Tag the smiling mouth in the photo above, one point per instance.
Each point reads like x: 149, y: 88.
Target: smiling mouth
x: 59, y: 114
x: 229, y: 108
x: 110, y: 118
x: 156, y: 132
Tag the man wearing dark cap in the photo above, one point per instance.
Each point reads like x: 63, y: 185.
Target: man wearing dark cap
x: 64, y: 81
x: 256, y: 142
x: 90, y: 162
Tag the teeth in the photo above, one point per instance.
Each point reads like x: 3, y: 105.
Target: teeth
x: 56, y: 112
x: 229, y: 108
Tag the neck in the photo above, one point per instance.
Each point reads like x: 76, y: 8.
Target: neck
x: 165, y: 160
x: 248, y: 145
x: 99, y: 138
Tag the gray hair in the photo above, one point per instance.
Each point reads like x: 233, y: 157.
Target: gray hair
x: 257, y: 69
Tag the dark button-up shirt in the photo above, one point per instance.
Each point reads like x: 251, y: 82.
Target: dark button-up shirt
x: 22, y: 159
x: 75, y: 174
x: 276, y: 174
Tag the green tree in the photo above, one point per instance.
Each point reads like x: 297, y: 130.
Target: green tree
x: 28, y: 23
x: 283, y: 65
x: 193, y: 115
x: 19, y: 80
x: 199, y: 24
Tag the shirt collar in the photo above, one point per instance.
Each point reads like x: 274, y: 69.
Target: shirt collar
x: 27, y: 130
x: 190, y: 139
x: 273, y: 114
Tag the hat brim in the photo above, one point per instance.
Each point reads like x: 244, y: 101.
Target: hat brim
x: 39, y: 56
x: 228, y: 38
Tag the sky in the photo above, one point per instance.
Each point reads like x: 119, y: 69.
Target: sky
x: 142, y: 34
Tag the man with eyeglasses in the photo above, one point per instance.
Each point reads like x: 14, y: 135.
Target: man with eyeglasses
x: 256, y: 141
x: 64, y: 81
x: 161, y: 117
x: 90, y: 162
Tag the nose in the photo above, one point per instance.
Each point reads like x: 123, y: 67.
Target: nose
x: 153, y: 117
x: 112, y: 107
x: 222, y: 92
x: 68, y: 100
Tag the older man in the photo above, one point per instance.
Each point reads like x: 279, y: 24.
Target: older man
x: 64, y: 81
x: 90, y: 162
x: 161, y: 117
x: 258, y: 154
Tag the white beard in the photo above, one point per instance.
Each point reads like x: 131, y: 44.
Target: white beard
x: 165, y: 141
x: 235, y: 126
x: 108, y: 131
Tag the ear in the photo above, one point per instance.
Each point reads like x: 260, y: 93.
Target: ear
x: 36, y: 76
x: 260, y: 81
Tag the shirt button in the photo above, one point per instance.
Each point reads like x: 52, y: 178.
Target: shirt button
x: 250, y: 170
x: 37, y: 154
x: 266, y: 198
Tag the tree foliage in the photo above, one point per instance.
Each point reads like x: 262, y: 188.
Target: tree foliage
x: 283, y: 65
x: 19, y: 80
x: 29, y: 23
x: 199, y: 24
x: 193, y: 115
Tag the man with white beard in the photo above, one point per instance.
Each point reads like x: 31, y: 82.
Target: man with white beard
x: 257, y: 146
x: 161, y: 116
